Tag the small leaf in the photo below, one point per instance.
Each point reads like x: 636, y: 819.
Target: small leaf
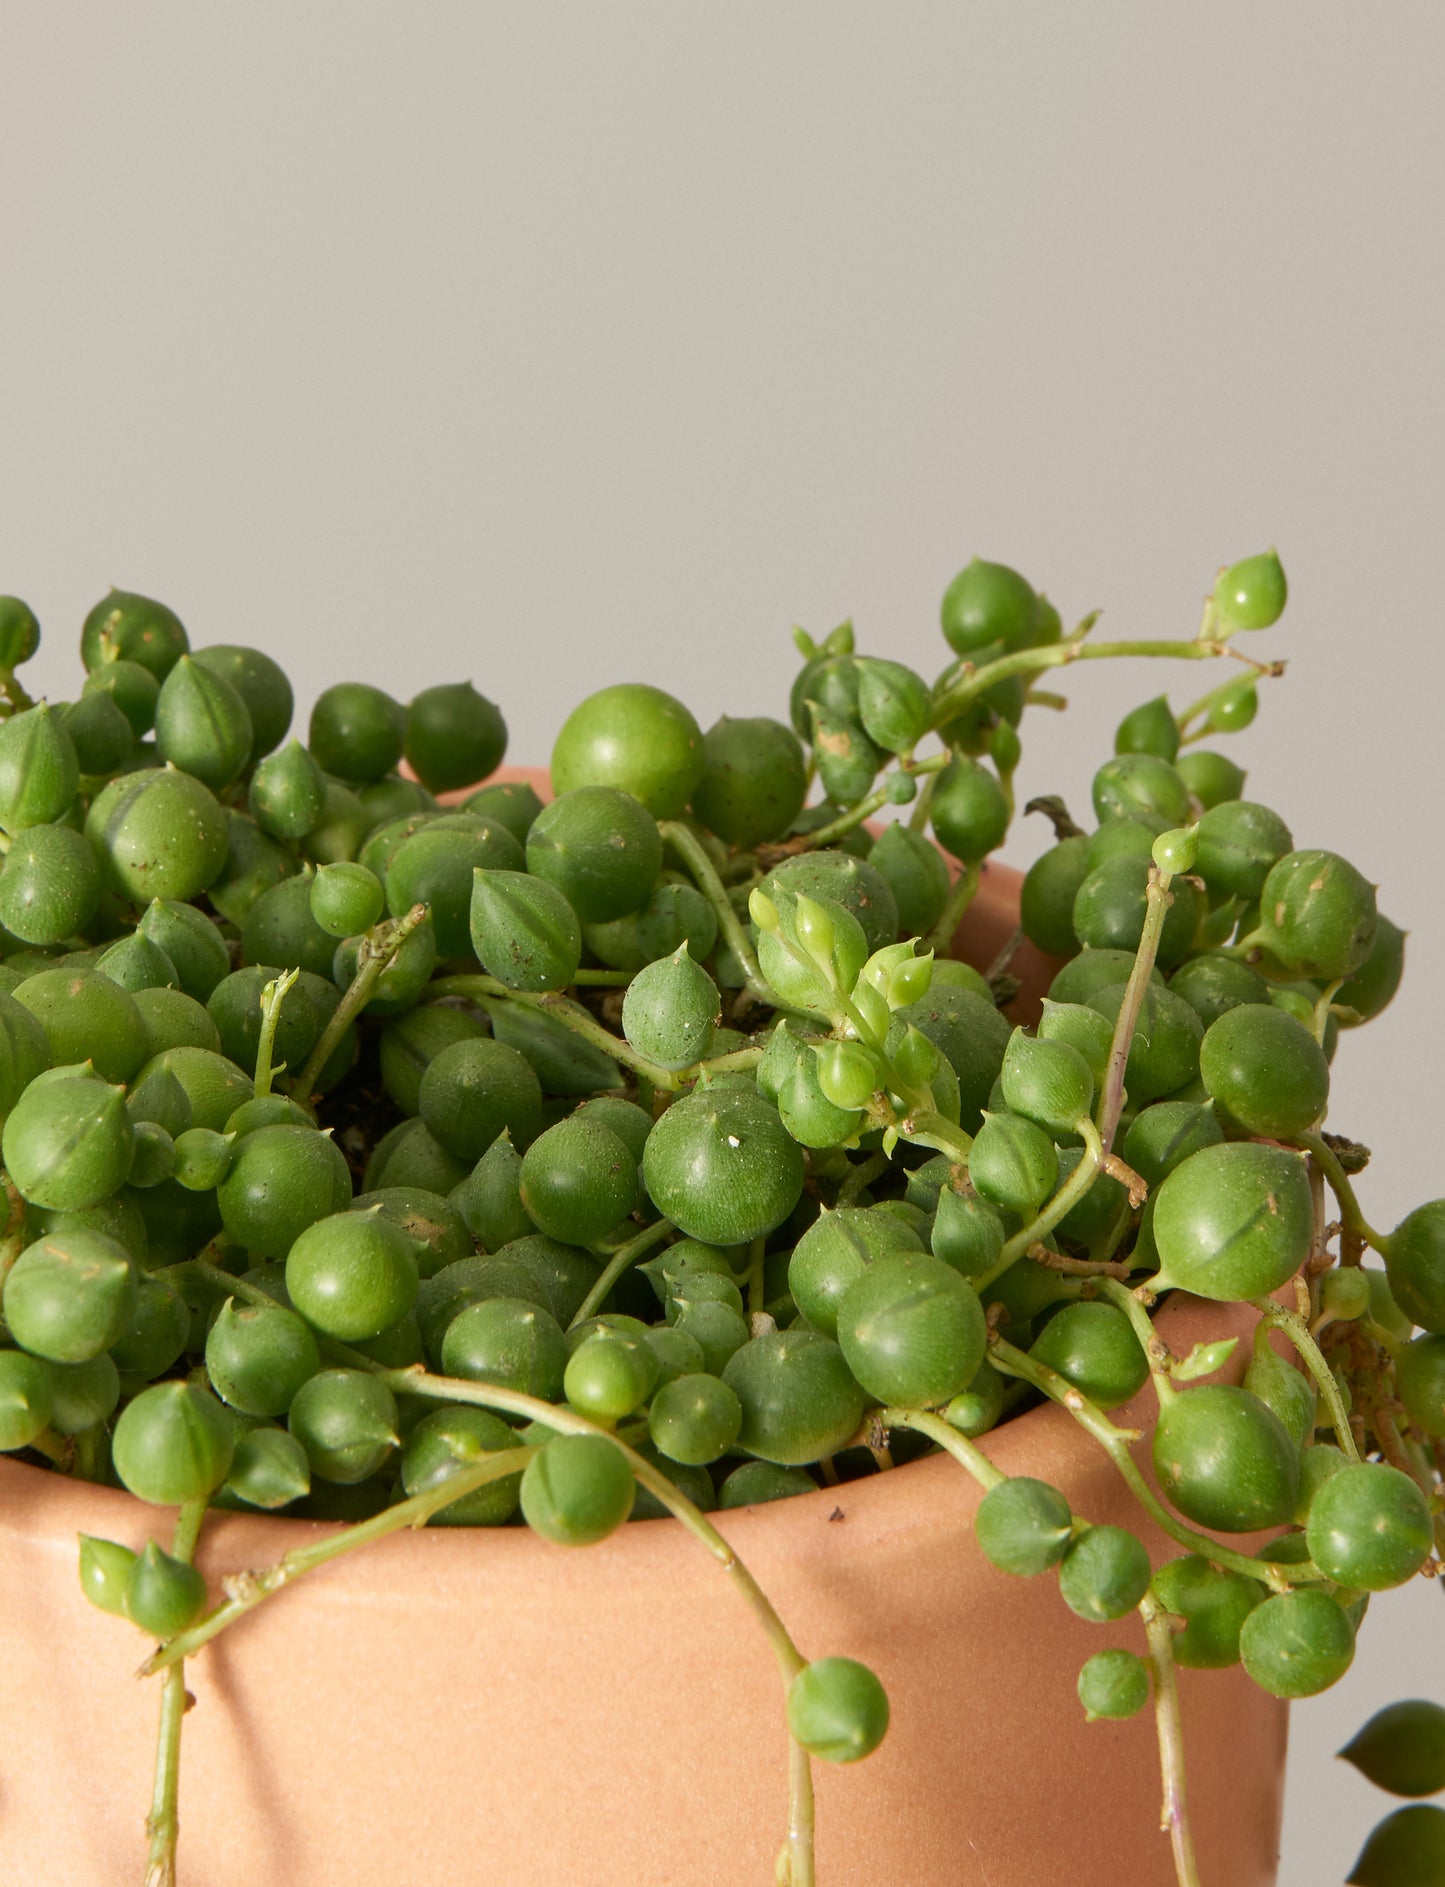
x: 910, y: 981
x: 763, y: 911
x: 105, y: 1569
x: 804, y: 644
x: 916, y: 1059
x: 813, y: 928
x: 1204, y: 1359
x: 1402, y: 1748
x: 848, y: 1074
x: 873, y: 1011
x: 881, y: 965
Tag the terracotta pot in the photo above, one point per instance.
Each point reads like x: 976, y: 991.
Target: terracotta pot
x: 452, y: 1706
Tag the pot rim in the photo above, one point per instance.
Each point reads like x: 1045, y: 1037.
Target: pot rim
x: 39, y: 1502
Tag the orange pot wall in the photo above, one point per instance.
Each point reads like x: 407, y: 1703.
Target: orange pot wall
x: 455, y: 1707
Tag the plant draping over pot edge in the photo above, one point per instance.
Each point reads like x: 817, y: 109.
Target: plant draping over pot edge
x: 694, y: 1170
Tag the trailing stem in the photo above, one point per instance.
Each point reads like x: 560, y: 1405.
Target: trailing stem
x: 1074, y: 649
x: 959, y: 899
x: 1111, y: 1097
x: 621, y: 1261
x: 163, y: 1822
x: 922, y: 1422
x: 1329, y: 1163
x: 1276, y: 1317
x: 685, y: 844
x: 247, y: 1590
x: 1173, y: 1813
x: 1057, y: 1208
x: 874, y: 802
x: 377, y: 950
x: 250, y: 1589
x: 1115, y: 1443
x: 487, y: 991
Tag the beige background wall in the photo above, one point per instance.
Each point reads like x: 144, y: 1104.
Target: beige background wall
x: 561, y: 343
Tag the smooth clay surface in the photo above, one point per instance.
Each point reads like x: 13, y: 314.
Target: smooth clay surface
x: 454, y: 1706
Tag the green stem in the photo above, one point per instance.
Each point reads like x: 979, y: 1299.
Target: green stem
x: 932, y: 1130
x: 1059, y: 1207
x: 246, y: 1591
x: 949, y: 1439
x: 487, y: 991
x: 377, y: 950
x: 222, y: 1281
x: 1111, y: 1096
x: 17, y: 700
x: 1322, y: 1010
x: 1173, y: 1815
x: 1298, y: 1331
x: 621, y: 1261
x: 940, y: 938
x: 1155, y: 1349
x: 790, y: 1659
x: 1329, y: 1163
x: 675, y: 834
x: 1060, y: 655
x: 923, y: 805
x: 735, y: 1061
x: 272, y: 997
x: 861, y: 1176
x: 603, y: 979
x: 798, y: 1854
x: 163, y: 1822
x: 875, y: 801
x: 1115, y: 1443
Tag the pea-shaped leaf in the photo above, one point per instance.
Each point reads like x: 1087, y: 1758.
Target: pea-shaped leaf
x: 1225, y: 1460
x: 1233, y: 1222
x: 912, y: 1330
x: 837, y: 1709
x: 1402, y: 1748
x: 1048, y: 1082
x: 577, y: 1490
x: 671, y: 1011
x: 39, y: 772
x: 202, y: 724
x: 1317, y: 914
x: 1407, y: 1849
x: 722, y: 1166
x: 894, y: 704
x: 1298, y: 1643
x: 1113, y: 1684
x: 1013, y: 1163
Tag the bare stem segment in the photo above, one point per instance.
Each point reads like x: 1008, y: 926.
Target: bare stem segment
x: 378, y: 949
x: 675, y: 834
x: 1111, y: 1100
x: 1173, y: 1814
x: 163, y: 1822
